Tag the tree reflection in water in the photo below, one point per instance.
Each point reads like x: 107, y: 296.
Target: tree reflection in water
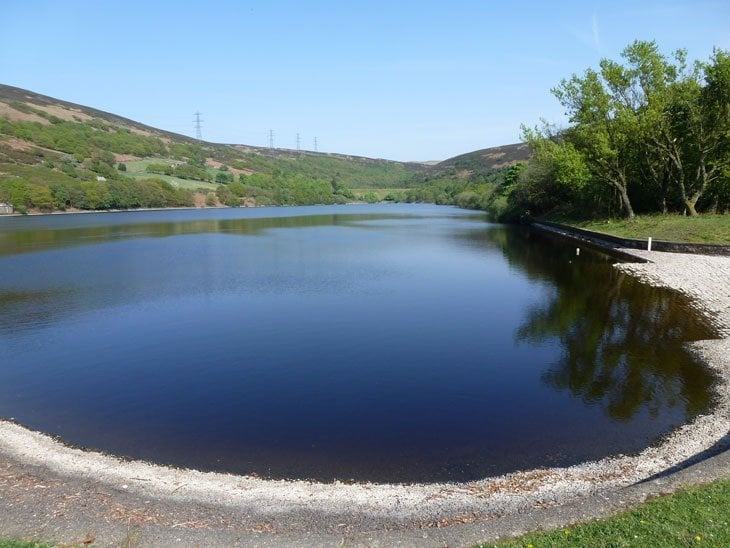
x: 621, y: 340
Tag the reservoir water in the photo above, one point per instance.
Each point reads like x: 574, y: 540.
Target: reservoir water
x: 366, y: 342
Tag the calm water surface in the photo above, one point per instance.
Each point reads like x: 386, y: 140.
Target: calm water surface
x: 386, y: 343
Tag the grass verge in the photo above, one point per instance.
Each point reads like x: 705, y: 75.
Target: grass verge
x: 704, y: 229
x: 699, y: 516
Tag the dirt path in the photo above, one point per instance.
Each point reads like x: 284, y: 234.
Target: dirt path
x: 56, y: 493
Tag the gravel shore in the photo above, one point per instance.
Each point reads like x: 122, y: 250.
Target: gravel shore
x: 54, y: 492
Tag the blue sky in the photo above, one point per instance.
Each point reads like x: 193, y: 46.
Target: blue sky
x: 400, y: 80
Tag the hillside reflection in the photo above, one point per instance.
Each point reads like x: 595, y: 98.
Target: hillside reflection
x: 13, y: 242
x: 618, y: 343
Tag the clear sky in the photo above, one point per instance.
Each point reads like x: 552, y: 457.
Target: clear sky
x: 421, y: 80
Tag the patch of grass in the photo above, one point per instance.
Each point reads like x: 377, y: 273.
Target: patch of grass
x: 699, y: 516
x: 706, y: 228
x: 183, y: 184
x: 22, y: 544
x: 137, y: 169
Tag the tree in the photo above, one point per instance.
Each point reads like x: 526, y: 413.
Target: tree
x: 223, y: 177
x: 691, y: 131
x: 604, y: 128
x: 648, y: 80
x: 559, y: 171
x: 653, y: 125
x: 710, y: 128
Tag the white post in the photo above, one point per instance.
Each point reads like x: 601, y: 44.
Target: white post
x: 648, y: 247
x: 577, y: 251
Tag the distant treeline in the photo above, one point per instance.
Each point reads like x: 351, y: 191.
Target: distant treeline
x: 279, y: 188
x: 92, y: 195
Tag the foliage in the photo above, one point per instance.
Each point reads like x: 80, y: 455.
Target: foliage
x: 281, y: 188
x: 348, y: 172
x: 223, y: 177
x: 182, y: 170
x: 83, y: 138
x: 651, y: 134
x: 63, y: 192
x: 447, y: 187
x: 87, y: 150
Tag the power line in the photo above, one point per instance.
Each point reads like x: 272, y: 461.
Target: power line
x: 198, y: 127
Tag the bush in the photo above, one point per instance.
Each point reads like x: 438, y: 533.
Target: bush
x: 468, y: 200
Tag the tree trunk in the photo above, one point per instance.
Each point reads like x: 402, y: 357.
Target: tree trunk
x: 622, y: 186
x: 691, y: 203
x: 626, y: 202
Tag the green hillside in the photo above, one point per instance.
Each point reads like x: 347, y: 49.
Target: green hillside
x: 56, y: 155
x: 473, y: 180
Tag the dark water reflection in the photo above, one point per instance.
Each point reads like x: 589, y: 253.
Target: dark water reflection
x: 619, y: 346
x: 390, y: 343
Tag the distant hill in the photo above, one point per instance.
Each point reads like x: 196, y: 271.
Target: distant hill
x: 483, y: 160
x: 50, y: 149
x: 11, y: 97
x: 60, y: 155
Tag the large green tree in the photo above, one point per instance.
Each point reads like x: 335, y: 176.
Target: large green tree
x: 604, y: 127
x: 652, y: 128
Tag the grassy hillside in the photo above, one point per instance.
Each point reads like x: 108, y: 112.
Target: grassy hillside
x: 473, y: 180
x: 481, y: 162
x: 59, y: 155
x: 56, y: 155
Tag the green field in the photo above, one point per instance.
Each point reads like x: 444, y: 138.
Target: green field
x: 138, y: 170
x: 699, y: 516
x: 706, y: 228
